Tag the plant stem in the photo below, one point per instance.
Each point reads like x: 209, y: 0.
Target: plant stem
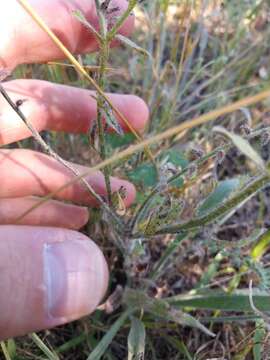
x: 189, y: 124
x: 121, y: 20
x: 47, y: 149
x: 197, y: 163
x: 103, y: 60
x: 257, y: 184
x: 29, y: 9
x: 170, y: 111
x: 172, y: 247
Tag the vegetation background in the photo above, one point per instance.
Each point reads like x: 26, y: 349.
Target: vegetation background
x: 190, y: 274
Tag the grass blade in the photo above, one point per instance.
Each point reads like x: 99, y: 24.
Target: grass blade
x: 5, y: 351
x: 43, y: 347
x: 218, y: 300
x: 105, y: 342
x: 258, y: 339
x: 136, y: 340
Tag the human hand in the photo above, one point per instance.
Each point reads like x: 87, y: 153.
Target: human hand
x: 50, y: 273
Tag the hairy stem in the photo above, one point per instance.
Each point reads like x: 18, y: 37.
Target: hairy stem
x: 47, y: 149
x: 189, y: 124
x: 160, y: 265
x: 29, y: 9
x: 197, y: 163
x: 257, y: 184
x: 121, y: 20
x: 103, y: 61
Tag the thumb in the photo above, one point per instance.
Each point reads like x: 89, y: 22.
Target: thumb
x: 48, y: 277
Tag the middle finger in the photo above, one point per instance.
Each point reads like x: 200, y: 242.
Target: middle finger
x: 26, y: 173
x: 60, y: 108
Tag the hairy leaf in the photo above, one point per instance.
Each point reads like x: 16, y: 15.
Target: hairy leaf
x: 132, y: 44
x: 136, y: 340
x: 162, y: 309
x: 218, y: 300
x: 243, y: 145
x: 105, y: 342
x: 221, y: 193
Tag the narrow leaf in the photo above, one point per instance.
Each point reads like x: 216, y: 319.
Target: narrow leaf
x: 218, y: 300
x: 12, y: 349
x: 185, y: 319
x: 105, y: 342
x: 258, y: 340
x: 43, y: 347
x: 82, y: 19
x: 262, y: 245
x: 133, y: 45
x: 5, y: 351
x: 162, y: 309
x: 243, y: 145
x: 136, y: 340
x: 221, y: 193
x: 111, y: 120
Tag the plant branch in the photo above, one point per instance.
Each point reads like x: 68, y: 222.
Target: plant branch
x: 46, y: 148
x: 189, y: 124
x: 121, y: 20
x: 257, y: 184
x: 197, y: 163
x: 29, y: 9
x: 103, y: 60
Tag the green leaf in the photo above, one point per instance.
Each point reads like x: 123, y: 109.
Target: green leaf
x: 176, y: 157
x: 221, y: 193
x: 43, y: 347
x: 185, y: 319
x: 258, y: 340
x: 144, y: 175
x: 243, y: 145
x: 262, y: 245
x: 136, y: 340
x: 105, y: 342
x: 166, y: 256
x: 133, y: 45
x: 111, y: 120
x: 180, y: 346
x: 218, y: 300
x: 5, y: 351
x: 12, y: 349
x: 82, y: 19
x: 116, y: 141
x: 161, y: 308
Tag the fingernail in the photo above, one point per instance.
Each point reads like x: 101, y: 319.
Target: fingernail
x: 75, y: 275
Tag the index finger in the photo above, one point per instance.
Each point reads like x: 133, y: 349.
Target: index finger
x: 22, y: 41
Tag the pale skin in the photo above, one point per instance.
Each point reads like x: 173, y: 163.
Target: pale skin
x: 50, y: 273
